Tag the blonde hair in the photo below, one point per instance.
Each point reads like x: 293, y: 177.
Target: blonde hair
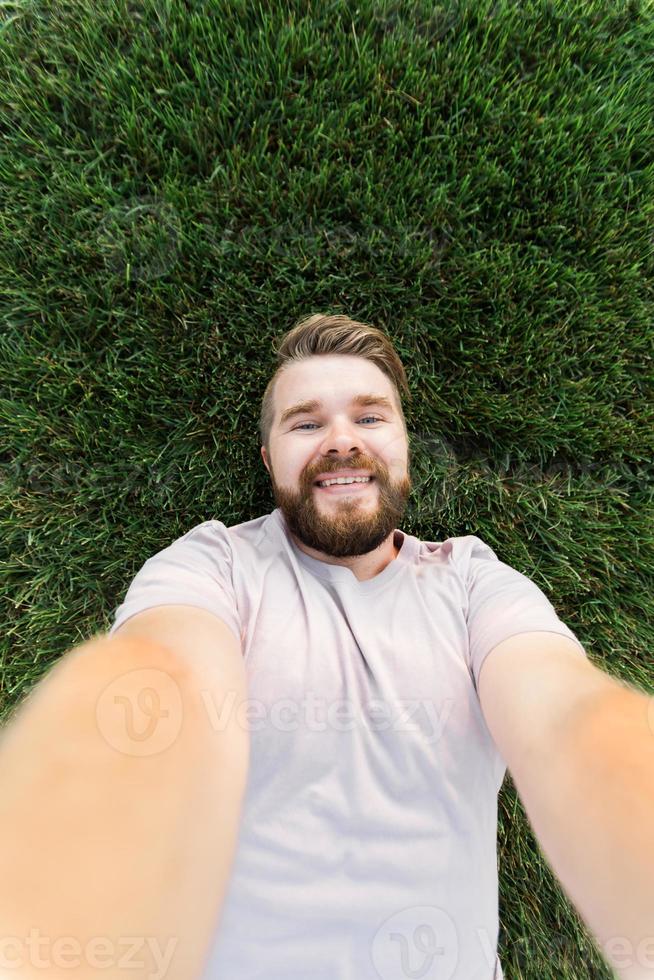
x: 336, y: 334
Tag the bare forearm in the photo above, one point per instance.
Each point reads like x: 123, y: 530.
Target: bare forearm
x: 119, y: 817
x: 591, y: 804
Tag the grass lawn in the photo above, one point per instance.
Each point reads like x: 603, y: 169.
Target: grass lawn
x: 181, y: 181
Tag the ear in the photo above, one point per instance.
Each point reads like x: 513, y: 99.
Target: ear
x: 264, y: 457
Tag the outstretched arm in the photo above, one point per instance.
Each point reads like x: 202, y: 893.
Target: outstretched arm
x: 591, y: 804
x: 117, y: 826
x: 579, y: 744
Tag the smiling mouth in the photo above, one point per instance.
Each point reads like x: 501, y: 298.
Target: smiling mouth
x: 344, y: 487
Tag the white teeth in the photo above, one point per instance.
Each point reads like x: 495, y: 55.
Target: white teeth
x: 345, y: 479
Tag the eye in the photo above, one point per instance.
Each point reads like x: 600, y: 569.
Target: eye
x: 373, y: 417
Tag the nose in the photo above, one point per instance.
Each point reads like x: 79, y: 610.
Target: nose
x: 341, y: 440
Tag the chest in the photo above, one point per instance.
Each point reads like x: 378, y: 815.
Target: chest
x: 380, y: 679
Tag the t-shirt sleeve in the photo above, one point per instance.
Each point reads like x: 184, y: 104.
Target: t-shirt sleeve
x: 195, y: 570
x: 502, y: 602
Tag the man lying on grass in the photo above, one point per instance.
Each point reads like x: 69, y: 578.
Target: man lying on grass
x: 284, y: 759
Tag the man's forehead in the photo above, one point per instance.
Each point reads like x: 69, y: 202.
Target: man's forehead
x: 329, y: 377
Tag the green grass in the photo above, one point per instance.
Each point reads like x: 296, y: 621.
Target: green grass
x: 182, y: 180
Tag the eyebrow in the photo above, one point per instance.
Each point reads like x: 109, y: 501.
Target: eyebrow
x: 306, y: 408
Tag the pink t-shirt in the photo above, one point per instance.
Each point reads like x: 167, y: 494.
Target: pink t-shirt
x: 367, y: 844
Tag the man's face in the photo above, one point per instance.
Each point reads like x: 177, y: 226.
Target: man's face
x: 338, y: 435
